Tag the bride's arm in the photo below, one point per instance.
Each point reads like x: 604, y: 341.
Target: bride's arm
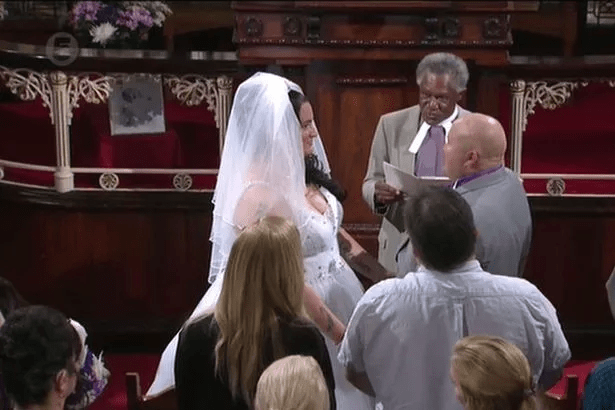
x: 326, y: 321
x: 360, y: 260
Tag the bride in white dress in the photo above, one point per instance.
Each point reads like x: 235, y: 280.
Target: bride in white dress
x: 262, y: 172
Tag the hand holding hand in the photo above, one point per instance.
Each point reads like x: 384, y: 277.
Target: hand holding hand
x: 386, y: 194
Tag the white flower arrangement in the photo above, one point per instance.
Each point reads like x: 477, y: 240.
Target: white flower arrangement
x: 102, y: 33
x: 118, y: 23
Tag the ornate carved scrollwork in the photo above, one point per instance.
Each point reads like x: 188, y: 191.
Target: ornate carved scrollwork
x: 313, y: 28
x: 182, y: 182
x: 370, y: 43
x: 94, y: 90
x: 432, y: 29
x: 224, y: 83
x: 192, y: 89
x: 253, y: 27
x: 109, y: 181
x: 548, y: 96
x: 451, y: 28
x: 27, y: 84
x: 517, y: 86
x: 292, y: 26
x: 496, y: 28
x: 442, y: 29
x: 556, y: 187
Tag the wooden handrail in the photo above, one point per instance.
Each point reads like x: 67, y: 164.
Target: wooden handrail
x: 34, y: 57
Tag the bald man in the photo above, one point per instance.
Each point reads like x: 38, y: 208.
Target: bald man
x: 474, y: 159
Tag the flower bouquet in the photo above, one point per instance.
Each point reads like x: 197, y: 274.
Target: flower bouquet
x: 117, y: 24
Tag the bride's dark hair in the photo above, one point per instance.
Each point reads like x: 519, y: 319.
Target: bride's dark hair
x: 314, y: 173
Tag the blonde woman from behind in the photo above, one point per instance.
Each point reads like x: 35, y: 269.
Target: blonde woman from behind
x: 258, y: 319
x: 490, y: 373
x: 294, y: 382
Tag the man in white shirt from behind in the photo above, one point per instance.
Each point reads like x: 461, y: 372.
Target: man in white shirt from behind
x: 399, y: 340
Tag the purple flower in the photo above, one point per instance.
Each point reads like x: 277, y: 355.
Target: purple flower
x: 85, y: 10
x: 134, y: 17
x: 92, y: 380
x: 127, y: 20
x: 109, y: 14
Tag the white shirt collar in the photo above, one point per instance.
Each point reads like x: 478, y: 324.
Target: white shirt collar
x: 422, y: 132
x: 473, y: 265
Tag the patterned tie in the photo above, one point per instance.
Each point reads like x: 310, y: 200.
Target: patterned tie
x: 430, y: 158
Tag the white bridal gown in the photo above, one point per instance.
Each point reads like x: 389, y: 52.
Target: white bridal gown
x: 337, y: 285
x: 330, y: 276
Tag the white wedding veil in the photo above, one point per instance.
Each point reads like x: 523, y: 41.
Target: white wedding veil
x: 262, y: 168
x: 262, y: 171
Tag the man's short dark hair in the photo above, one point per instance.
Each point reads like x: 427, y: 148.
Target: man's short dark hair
x: 441, y: 228
x: 36, y: 342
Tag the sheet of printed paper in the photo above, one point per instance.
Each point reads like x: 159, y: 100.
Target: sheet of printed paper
x: 408, y: 183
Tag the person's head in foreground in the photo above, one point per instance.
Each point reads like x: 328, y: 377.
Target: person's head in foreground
x: 441, y: 228
x: 263, y: 284
x: 39, y: 350
x: 599, y: 391
x: 10, y: 299
x: 442, y: 78
x: 476, y: 142
x: 491, y: 374
x: 293, y: 382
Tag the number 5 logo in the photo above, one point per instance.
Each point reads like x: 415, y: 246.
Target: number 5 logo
x: 62, y: 49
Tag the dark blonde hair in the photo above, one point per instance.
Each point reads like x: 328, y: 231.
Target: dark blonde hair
x: 263, y: 283
x: 493, y: 374
x: 294, y: 382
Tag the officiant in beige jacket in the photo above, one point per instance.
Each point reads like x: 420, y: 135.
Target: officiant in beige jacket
x: 412, y: 140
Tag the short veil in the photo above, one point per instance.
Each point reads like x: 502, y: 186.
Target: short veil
x: 262, y: 169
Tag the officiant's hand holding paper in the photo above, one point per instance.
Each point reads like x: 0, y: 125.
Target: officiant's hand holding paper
x: 386, y: 194
x: 407, y: 183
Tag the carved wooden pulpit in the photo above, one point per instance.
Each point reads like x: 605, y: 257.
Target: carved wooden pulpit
x: 356, y: 61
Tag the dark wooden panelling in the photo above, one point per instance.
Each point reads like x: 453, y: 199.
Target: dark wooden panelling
x: 348, y: 140
x: 572, y: 256
x: 121, y: 272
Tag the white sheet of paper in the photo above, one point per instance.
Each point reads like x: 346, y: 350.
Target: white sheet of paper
x: 610, y: 291
x: 408, y: 183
